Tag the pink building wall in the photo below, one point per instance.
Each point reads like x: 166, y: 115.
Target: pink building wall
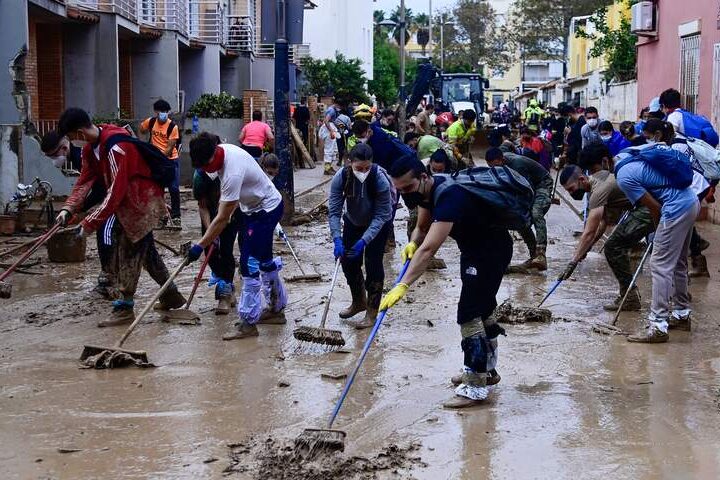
x: 659, y: 58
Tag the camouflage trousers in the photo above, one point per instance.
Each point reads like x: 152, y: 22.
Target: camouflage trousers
x: 637, y: 225
x: 540, y: 207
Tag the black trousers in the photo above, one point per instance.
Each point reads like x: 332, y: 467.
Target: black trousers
x: 373, y: 255
x: 222, y: 261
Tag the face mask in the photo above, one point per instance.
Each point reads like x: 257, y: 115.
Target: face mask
x: 578, y: 194
x: 361, y: 176
x: 651, y: 141
x: 58, y: 161
x: 163, y: 116
x: 593, y: 122
x: 413, y: 199
x: 362, y: 140
x: 606, y: 138
x: 79, y: 143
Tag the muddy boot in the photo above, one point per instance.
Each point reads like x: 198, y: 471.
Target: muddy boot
x: 123, y: 313
x: 359, y: 299
x: 373, y: 303
x: 244, y: 330
x: 436, y: 264
x: 654, y: 332
x: 275, y: 296
x: 698, y: 267
x: 493, y: 378
x: 680, y: 320
x: 472, y: 391
x: 520, y: 267
x: 170, y: 300
x: 223, y: 306
x: 632, y: 302
x: 539, y: 262
x: 269, y: 317
x: 224, y: 295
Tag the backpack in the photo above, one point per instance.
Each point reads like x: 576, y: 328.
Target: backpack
x: 707, y: 156
x: 172, y: 125
x: 162, y: 169
x: 673, y: 165
x: 371, y: 182
x: 697, y: 126
x: 506, y: 192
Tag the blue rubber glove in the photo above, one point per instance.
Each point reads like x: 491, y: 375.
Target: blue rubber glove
x: 194, y: 253
x: 339, y: 248
x: 356, y: 250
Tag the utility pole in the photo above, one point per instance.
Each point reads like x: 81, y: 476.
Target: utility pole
x: 430, y: 29
x: 401, y: 112
x: 442, y: 43
x: 284, y: 181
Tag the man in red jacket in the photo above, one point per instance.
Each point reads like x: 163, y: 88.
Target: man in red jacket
x: 133, y: 197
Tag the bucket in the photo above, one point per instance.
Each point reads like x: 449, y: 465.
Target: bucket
x: 8, y: 224
x: 66, y: 247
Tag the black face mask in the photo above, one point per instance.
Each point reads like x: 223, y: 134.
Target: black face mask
x: 414, y: 199
x: 578, y: 194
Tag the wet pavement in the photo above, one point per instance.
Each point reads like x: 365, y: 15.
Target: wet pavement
x: 571, y: 404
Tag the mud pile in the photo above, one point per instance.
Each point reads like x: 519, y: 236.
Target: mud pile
x: 277, y: 459
x: 507, y: 313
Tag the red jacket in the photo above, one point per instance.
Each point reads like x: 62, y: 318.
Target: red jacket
x: 132, y: 195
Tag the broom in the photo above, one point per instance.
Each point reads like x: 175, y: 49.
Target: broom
x: 304, y: 276
x: 185, y: 314
x: 321, y: 335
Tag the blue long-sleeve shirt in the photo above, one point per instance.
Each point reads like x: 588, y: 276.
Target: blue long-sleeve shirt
x: 386, y: 148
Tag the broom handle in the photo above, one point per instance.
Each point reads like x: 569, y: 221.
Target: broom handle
x: 152, y: 301
x: 332, y: 287
x: 196, y: 283
x: 365, y: 349
x: 550, y: 292
x: 620, y: 222
x: 632, y: 282
x: 41, y: 240
x: 287, y: 242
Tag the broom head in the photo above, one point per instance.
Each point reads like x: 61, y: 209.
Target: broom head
x: 318, y: 439
x: 92, y: 350
x: 320, y: 336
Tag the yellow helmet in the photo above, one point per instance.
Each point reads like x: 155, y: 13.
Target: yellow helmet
x: 362, y: 112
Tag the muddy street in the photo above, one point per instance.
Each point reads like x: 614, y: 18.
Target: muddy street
x: 571, y: 404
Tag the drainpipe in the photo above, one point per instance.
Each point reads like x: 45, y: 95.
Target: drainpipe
x: 284, y: 181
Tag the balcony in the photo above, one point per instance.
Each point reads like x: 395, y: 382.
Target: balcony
x: 164, y: 14
x: 125, y: 8
x: 296, y: 55
x: 240, y: 34
x: 205, y: 21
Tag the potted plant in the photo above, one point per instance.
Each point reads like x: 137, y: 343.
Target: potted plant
x: 220, y: 114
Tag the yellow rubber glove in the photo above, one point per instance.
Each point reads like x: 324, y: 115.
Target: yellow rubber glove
x: 394, y: 296
x: 408, y: 252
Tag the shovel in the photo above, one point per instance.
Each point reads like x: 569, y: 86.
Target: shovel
x: 185, y: 315
x: 304, y: 276
x: 6, y: 288
x: 139, y: 355
x: 327, y: 438
x: 321, y: 335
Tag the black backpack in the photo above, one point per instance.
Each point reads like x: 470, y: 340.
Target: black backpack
x: 172, y: 125
x: 162, y: 169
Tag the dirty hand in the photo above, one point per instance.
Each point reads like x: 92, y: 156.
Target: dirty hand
x: 394, y: 296
x: 194, y: 253
x: 63, y: 217
x: 408, y: 252
x: 568, y: 271
x: 356, y: 249
x: 339, y: 250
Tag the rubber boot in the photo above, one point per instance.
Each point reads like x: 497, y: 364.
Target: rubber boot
x: 539, y: 262
x: 244, y: 330
x: 122, y: 314
x: 373, y: 303
x: 698, y: 267
x: 632, y: 302
x: 359, y: 298
x: 170, y: 300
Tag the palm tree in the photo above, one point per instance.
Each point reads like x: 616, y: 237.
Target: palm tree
x: 378, y: 16
x: 422, y: 23
x: 409, y: 24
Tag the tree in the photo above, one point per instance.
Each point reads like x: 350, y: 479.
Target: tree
x: 422, y: 22
x: 616, y: 45
x: 409, y: 24
x: 341, y: 77
x: 386, y: 71
x: 538, y: 28
x: 378, y: 16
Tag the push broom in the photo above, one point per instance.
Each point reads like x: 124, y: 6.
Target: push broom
x: 321, y: 335
x: 185, y: 314
x: 304, y: 276
x: 327, y: 438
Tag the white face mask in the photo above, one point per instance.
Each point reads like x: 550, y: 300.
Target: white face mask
x: 605, y: 138
x: 212, y: 175
x: 362, y: 140
x: 58, y: 161
x: 361, y: 176
x: 79, y: 143
x: 592, y: 122
x: 651, y: 141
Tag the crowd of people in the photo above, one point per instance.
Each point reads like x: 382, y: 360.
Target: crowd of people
x: 645, y: 180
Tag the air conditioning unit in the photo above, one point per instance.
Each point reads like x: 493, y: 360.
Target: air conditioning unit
x: 643, y: 18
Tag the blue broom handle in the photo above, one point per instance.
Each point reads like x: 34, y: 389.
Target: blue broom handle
x: 368, y: 342
x: 552, y: 289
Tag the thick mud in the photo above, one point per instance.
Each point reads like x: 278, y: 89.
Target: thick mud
x: 572, y: 403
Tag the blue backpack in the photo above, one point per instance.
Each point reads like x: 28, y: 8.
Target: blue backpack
x: 506, y: 192
x: 675, y: 166
x: 697, y: 126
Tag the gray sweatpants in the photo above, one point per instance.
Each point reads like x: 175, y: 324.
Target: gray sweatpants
x: 668, y: 264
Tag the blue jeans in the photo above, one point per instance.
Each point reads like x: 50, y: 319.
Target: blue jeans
x: 257, y: 241
x: 174, y: 190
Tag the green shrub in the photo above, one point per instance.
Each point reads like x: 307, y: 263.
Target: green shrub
x: 222, y: 105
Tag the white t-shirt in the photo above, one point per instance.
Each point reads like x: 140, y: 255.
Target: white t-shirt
x: 324, y: 134
x: 243, y: 181
x: 676, y: 120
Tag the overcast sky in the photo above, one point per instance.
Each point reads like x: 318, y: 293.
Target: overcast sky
x: 417, y: 6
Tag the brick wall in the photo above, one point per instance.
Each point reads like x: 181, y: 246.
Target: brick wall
x: 31, y: 80
x: 51, y: 98
x: 125, y: 78
x: 255, y: 100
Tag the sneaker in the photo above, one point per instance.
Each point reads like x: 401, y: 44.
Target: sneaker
x: 680, y: 320
x: 244, y: 330
x: 632, y: 302
x: 268, y: 317
x: 223, y: 307
x: 122, y: 314
x: 649, y: 334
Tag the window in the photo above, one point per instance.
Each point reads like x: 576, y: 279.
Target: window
x: 689, y: 71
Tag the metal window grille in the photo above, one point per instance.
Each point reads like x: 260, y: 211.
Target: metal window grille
x: 690, y: 71
x: 716, y: 88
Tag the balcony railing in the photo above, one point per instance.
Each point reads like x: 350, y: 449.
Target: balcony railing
x: 164, y: 14
x: 240, y: 33
x: 125, y: 8
x: 296, y: 54
x: 205, y: 21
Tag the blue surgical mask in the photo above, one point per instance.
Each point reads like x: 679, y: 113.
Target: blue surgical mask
x: 163, y: 116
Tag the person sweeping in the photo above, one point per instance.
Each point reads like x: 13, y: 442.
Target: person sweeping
x: 244, y: 185
x: 362, y: 196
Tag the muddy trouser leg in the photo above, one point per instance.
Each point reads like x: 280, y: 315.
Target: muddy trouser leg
x: 374, y: 270
x: 256, y: 258
x: 352, y: 268
x: 130, y: 259
x: 174, y: 190
x: 222, y: 261
x: 412, y: 222
x: 529, y: 238
x: 540, y: 207
x: 156, y: 268
x: 695, y: 243
x: 669, y: 265
x: 637, y: 225
x: 482, y: 266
